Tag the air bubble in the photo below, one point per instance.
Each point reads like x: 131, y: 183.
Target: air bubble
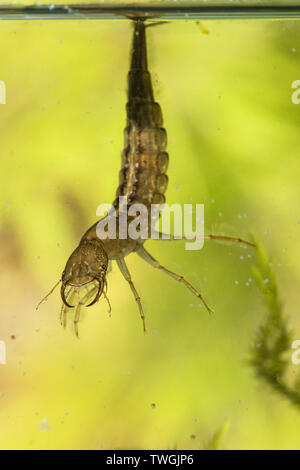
x: 43, y: 425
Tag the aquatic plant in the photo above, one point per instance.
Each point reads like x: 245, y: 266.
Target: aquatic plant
x: 271, y: 350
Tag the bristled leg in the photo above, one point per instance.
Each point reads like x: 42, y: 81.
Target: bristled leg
x: 223, y: 238
x: 147, y: 257
x: 124, y: 270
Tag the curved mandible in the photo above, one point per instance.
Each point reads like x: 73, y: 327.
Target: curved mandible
x: 63, y: 296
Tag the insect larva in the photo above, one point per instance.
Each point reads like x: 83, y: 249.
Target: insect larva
x: 142, y: 179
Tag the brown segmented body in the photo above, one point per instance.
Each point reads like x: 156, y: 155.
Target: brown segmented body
x: 142, y: 176
x: 144, y: 159
x: 143, y: 180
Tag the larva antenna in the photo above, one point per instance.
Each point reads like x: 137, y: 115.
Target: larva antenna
x: 46, y: 296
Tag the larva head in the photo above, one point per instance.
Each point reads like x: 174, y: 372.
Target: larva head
x: 86, y: 264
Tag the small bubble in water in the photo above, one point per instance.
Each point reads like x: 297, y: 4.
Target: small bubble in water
x: 43, y: 425
x: 236, y: 282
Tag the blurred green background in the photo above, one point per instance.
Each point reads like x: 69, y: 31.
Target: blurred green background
x: 234, y: 146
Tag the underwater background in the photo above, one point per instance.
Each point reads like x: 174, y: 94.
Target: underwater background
x: 225, y: 89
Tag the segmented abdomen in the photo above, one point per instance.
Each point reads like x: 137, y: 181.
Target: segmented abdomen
x: 143, y: 176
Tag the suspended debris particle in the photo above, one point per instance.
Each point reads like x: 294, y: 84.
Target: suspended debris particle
x: 44, y: 426
x: 202, y: 28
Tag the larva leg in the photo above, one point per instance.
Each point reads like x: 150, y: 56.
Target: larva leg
x: 109, y: 267
x: 108, y: 303
x: 147, y: 257
x: 86, y: 298
x: 89, y: 295
x: 76, y: 319
x: 63, y: 315
x: 225, y: 238
x: 105, y: 294
x: 124, y: 270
